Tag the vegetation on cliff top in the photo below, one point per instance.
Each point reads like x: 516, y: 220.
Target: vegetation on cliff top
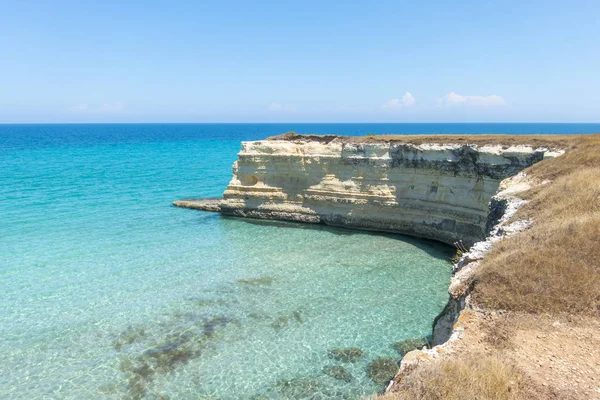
x: 475, y: 376
x: 551, y: 141
x: 550, y: 271
x: 553, y: 267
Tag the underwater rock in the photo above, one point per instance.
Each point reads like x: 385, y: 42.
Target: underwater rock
x: 128, y: 336
x: 142, y: 369
x: 280, y: 323
x: 139, y: 376
x: 257, y: 316
x: 200, y: 302
x: 168, y: 345
x: 302, y: 387
x: 261, y: 281
x: 299, y: 388
x: 211, y: 325
x: 284, y: 320
x: 382, y: 370
x: 351, y: 354
x: 297, y: 316
x: 166, y: 358
x: 405, y: 346
x: 338, y: 372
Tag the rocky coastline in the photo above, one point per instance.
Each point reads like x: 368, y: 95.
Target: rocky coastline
x: 449, y: 326
x: 430, y: 190
x: 438, y: 190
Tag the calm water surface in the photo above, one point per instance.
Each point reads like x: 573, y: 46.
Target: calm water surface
x: 109, y: 292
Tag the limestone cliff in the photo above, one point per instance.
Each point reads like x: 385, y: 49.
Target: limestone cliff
x: 436, y: 191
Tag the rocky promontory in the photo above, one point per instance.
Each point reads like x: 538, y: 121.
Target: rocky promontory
x: 433, y: 190
x: 523, y: 308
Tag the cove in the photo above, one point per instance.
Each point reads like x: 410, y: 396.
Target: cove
x: 109, y: 292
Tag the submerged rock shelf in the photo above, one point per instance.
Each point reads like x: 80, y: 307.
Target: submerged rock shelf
x: 206, y: 204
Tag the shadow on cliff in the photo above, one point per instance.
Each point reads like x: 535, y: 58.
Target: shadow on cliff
x: 431, y: 247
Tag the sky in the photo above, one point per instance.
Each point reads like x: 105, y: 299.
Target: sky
x: 300, y: 61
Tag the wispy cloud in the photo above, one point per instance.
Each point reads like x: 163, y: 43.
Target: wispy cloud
x: 280, y: 107
x: 455, y: 99
x: 407, y: 100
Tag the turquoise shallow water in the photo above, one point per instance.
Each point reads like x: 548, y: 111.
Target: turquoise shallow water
x: 109, y: 292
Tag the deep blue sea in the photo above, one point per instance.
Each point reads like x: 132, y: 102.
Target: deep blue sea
x: 110, y: 292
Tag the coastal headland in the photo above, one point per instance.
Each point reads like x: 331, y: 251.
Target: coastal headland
x: 524, y: 212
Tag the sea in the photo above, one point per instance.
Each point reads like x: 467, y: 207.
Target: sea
x: 107, y: 291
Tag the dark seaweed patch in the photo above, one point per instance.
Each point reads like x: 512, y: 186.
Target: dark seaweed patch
x: 304, y: 387
x: 351, y: 354
x: 260, y: 281
x: 200, y: 302
x: 129, y: 336
x: 297, y: 316
x: 283, y: 321
x: 280, y: 322
x: 210, y: 325
x: 382, y: 370
x: 165, y: 355
x: 405, y: 346
x: 338, y: 372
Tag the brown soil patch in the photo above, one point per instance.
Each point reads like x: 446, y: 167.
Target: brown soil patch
x: 561, y: 354
x: 544, y: 357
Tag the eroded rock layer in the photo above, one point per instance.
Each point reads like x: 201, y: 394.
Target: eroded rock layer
x: 435, y: 191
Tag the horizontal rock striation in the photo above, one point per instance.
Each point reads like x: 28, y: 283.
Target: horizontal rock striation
x: 205, y: 204
x: 434, y: 191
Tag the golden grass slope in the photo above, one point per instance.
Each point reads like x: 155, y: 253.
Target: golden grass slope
x: 473, y: 376
x: 545, y: 282
x: 553, y: 267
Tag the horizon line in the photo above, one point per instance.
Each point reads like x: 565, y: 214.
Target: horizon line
x: 280, y: 123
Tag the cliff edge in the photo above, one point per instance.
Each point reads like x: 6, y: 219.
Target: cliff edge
x: 430, y: 190
x: 524, y: 311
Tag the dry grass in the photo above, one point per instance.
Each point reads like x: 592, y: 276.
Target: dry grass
x: 551, y: 141
x: 474, y: 376
x: 584, y: 153
x: 554, y: 267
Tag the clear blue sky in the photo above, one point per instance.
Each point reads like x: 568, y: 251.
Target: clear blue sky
x: 313, y: 61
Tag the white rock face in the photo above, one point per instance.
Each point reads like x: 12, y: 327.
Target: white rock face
x: 436, y: 191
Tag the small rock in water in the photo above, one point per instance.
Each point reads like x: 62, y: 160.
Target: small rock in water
x: 211, y: 325
x: 298, y: 388
x: 297, y: 316
x: 260, y: 281
x: 382, y: 370
x: 405, y: 346
x: 338, y: 372
x: 129, y: 336
x: 351, y: 354
x: 280, y: 323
